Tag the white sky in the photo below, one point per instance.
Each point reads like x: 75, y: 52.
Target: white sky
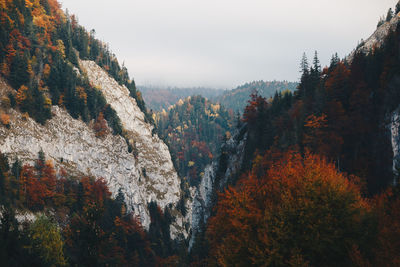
x: 224, y: 43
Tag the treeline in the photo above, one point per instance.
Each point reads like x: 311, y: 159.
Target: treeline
x: 316, y: 183
x: 40, y: 48
x: 237, y: 98
x: 299, y: 210
x: 158, y: 99
x: 194, y: 128
x: 74, y: 221
x: 339, y: 112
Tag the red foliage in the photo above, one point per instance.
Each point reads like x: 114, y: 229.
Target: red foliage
x: 251, y: 112
x: 100, y: 126
x: 256, y: 222
x: 96, y: 190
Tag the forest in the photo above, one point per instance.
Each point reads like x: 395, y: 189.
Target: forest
x: 194, y: 129
x: 238, y: 98
x: 317, y: 186
x: 78, y: 222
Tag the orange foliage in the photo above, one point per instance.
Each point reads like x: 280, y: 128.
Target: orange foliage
x: 4, y: 69
x: 82, y: 94
x: 5, y: 19
x: 388, y: 211
x: 21, y: 94
x: 96, y: 190
x: 295, y: 212
x: 46, y: 70
x: 32, y: 189
x: 100, y: 126
x: 5, y: 119
x: 255, y: 106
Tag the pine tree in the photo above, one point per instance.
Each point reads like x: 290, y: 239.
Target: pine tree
x: 334, y: 61
x: 316, y: 63
x: 304, y: 64
x: 389, y: 15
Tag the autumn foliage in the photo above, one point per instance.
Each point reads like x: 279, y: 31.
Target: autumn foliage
x: 100, y: 126
x: 5, y: 119
x: 295, y: 211
x: 80, y: 222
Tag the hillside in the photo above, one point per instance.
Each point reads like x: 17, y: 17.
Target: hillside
x: 158, y: 99
x: 327, y: 150
x: 65, y: 98
x: 238, y: 98
x: 194, y: 129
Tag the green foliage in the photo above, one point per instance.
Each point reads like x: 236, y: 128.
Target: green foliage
x: 194, y: 129
x: 236, y: 99
x: 47, y: 242
x: 158, y: 99
x: 41, y: 48
x: 84, y: 226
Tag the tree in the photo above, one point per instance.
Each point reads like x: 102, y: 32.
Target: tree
x: 316, y: 63
x: 291, y: 210
x: 100, y: 126
x: 397, y: 7
x: 304, y: 64
x: 389, y: 15
x: 46, y: 242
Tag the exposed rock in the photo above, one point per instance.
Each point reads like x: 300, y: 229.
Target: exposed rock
x: 395, y: 138
x: 210, y: 184
x: 377, y: 38
x: 72, y: 144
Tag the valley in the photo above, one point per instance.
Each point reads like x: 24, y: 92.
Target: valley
x: 97, y: 171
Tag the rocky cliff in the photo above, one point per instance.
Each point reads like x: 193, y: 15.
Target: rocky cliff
x: 72, y: 144
x: 217, y: 176
x: 377, y: 38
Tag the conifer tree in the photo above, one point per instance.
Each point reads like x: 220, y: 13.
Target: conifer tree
x: 304, y: 64
x: 316, y: 63
x: 389, y: 15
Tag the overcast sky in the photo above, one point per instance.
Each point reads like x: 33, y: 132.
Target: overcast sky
x: 225, y: 43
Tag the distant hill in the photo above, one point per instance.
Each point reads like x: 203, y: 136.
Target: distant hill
x: 158, y: 99
x: 194, y: 128
x: 236, y: 99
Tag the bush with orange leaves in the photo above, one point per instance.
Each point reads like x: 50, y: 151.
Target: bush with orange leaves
x: 100, y: 126
x: 5, y: 119
x: 295, y: 211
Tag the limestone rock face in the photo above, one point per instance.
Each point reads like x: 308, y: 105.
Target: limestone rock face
x: 159, y: 178
x: 72, y: 144
x: 395, y: 139
x: 210, y: 184
x: 377, y: 38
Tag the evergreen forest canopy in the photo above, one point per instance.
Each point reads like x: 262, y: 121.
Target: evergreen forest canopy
x: 158, y: 99
x: 315, y: 187
x: 77, y: 224
x: 238, y: 98
x: 194, y: 129
x: 316, y: 183
x: 41, y: 47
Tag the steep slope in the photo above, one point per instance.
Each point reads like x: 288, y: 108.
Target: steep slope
x: 348, y: 113
x: 153, y: 155
x: 223, y: 171
x: 42, y: 48
x: 194, y: 129
x: 377, y: 38
x: 72, y: 144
